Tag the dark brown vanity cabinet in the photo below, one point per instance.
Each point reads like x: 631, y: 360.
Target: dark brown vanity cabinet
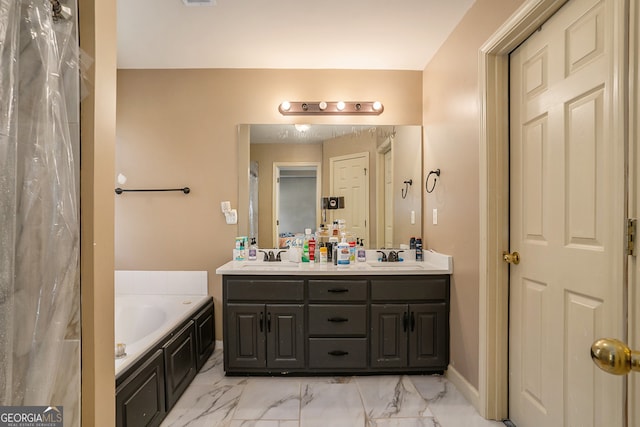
x: 265, y: 336
x: 337, y: 324
x: 260, y: 337
x: 410, y: 323
x: 341, y: 324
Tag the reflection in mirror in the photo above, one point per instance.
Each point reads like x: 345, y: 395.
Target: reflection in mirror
x: 363, y: 166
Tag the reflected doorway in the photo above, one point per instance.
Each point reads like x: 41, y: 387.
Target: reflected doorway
x: 296, y: 201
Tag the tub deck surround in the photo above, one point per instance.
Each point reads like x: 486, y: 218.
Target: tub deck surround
x: 149, y: 304
x: 433, y: 263
x: 166, y: 321
x: 143, y: 320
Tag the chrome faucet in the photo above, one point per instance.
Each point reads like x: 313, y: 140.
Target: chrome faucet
x: 393, y: 256
x: 271, y: 256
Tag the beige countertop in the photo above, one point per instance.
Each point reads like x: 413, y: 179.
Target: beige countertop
x: 433, y: 263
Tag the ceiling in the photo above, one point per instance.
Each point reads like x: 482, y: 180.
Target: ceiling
x: 296, y: 34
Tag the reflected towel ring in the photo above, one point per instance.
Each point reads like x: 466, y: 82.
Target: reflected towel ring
x: 404, y: 191
x: 426, y: 184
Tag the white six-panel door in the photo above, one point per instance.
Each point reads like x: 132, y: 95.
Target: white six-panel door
x: 567, y: 221
x: 350, y: 179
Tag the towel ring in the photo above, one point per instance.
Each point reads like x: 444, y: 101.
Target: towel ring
x: 435, y: 179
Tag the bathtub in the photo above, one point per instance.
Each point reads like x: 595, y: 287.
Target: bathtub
x: 142, y: 320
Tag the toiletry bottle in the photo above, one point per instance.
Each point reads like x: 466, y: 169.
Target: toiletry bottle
x: 253, y: 250
x: 352, y: 248
x: 418, y: 249
x: 239, y: 251
x: 323, y: 255
x: 312, y: 247
x: 305, y: 245
x: 332, y: 247
x: 362, y: 253
x: 343, y: 254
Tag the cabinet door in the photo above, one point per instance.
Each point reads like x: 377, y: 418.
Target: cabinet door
x: 389, y: 325
x: 205, y: 335
x: 245, y: 333
x: 180, y: 363
x: 428, y: 335
x: 285, y: 335
x: 140, y: 399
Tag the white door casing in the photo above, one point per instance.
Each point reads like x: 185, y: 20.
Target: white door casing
x: 388, y: 199
x: 491, y: 398
x: 567, y: 221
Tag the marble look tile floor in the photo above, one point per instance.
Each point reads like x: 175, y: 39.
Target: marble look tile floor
x: 214, y: 400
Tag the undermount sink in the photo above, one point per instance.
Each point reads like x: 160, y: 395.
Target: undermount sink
x: 396, y: 265
x: 275, y: 266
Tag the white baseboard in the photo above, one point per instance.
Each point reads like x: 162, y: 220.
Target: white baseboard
x: 218, y: 345
x: 468, y: 391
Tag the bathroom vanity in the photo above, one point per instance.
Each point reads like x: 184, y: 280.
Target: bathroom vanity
x: 288, y: 318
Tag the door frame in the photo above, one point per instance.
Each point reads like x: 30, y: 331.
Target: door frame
x: 493, y: 78
x: 493, y: 349
x: 277, y: 167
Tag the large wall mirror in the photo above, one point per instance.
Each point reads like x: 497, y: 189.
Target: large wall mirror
x: 293, y: 177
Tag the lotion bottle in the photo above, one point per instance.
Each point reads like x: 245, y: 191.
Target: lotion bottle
x: 344, y: 254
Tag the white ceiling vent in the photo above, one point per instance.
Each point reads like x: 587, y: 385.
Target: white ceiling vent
x: 199, y: 2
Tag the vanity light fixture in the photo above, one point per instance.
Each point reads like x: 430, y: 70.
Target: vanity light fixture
x: 323, y: 107
x: 285, y: 106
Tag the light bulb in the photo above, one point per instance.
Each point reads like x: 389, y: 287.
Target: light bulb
x: 340, y: 106
x: 285, y: 106
x: 377, y: 105
x: 322, y: 105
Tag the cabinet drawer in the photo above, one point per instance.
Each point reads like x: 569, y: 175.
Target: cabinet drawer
x: 400, y: 289
x: 337, y: 290
x: 337, y: 319
x: 264, y: 290
x: 337, y: 353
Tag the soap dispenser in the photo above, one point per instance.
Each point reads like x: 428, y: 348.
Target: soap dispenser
x: 253, y: 250
x: 343, y: 253
x: 362, y: 253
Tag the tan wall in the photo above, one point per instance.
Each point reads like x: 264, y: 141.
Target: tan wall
x: 266, y: 155
x: 407, y: 165
x: 98, y: 124
x: 451, y: 129
x: 178, y: 128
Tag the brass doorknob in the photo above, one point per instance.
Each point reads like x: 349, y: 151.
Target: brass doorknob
x: 511, y: 258
x: 614, y: 356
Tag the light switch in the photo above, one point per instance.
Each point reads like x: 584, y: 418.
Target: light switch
x: 413, y: 217
x: 435, y: 217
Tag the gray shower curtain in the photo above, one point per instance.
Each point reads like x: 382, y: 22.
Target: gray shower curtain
x: 39, y: 226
